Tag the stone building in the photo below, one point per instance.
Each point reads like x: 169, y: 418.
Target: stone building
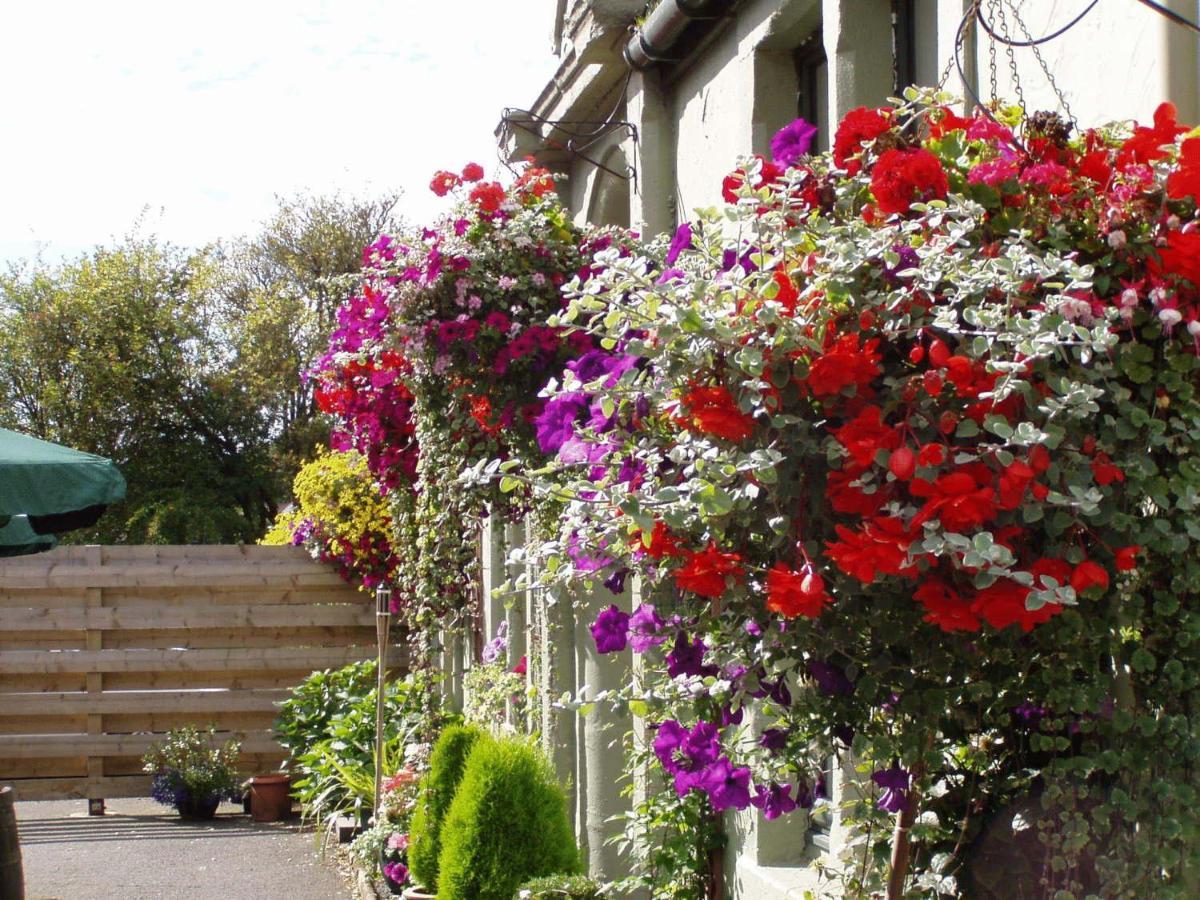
x: 650, y: 107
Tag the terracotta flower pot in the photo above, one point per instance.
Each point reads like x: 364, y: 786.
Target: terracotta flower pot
x: 270, y: 798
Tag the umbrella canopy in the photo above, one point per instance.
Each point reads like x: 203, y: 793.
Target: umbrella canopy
x: 58, y: 488
x: 18, y: 538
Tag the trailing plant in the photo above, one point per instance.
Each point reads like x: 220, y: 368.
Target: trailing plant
x: 447, y: 763
x: 493, y: 696
x: 903, y: 443
x: 188, y: 766
x: 507, y: 823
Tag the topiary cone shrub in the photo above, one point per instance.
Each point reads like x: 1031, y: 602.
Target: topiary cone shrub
x: 507, y: 824
x: 446, y: 766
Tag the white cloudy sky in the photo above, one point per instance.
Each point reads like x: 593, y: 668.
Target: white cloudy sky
x: 202, y: 112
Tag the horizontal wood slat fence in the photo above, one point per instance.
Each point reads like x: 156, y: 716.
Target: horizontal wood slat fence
x: 102, y: 649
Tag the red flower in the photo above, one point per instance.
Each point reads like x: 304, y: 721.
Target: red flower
x: 1145, y: 145
x: 662, y: 543
x: 1014, y: 481
x: 903, y: 463
x: 903, y: 177
x: 945, y: 607
x: 1126, y: 558
x: 859, y: 126
x: 711, y: 410
x: 472, y: 172
x: 947, y: 121
x: 879, y: 547
x: 1039, y: 458
x: 1186, y: 180
x: 1104, y: 471
x: 961, y: 500
x: 706, y: 572
x: 842, y: 364
x: 443, y: 182
x: 787, y: 294
x: 1050, y: 567
x: 1003, y: 604
x: 487, y: 196
x: 931, y: 455
x: 849, y: 499
x: 1088, y: 575
x: 791, y: 593
x: 768, y: 174
x: 1181, y: 256
x: 865, y: 435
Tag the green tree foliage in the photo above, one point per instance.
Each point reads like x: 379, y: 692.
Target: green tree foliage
x: 278, y: 292
x: 117, y: 353
x: 507, y: 824
x: 446, y: 767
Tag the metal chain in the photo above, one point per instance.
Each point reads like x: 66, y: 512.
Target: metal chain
x: 1002, y: 21
x: 1037, y: 54
x: 993, y: 8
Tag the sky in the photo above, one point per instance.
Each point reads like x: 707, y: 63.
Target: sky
x: 190, y: 117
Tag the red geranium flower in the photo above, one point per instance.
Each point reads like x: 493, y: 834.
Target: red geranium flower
x: 706, y: 572
x: 843, y: 364
x: 1014, y: 481
x: 1126, y: 558
x: 791, y: 593
x: 487, y: 196
x: 849, y: 499
x: 662, y: 543
x: 945, y: 607
x: 880, y: 547
x: 1104, y: 471
x: 865, y: 435
x: 1088, y: 575
x: 859, y: 126
x: 768, y: 174
x: 443, y: 182
x: 1145, y: 144
x: 903, y: 177
x: 1003, y: 604
x: 711, y: 410
x: 472, y: 172
x: 961, y: 500
x: 1185, y: 181
x: 787, y: 294
x: 1181, y: 256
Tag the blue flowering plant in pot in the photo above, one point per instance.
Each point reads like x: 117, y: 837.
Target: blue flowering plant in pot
x: 192, y: 772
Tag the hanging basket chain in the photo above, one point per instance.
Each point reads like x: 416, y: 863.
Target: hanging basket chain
x: 1037, y: 54
x: 1002, y: 20
x: 993, y: 11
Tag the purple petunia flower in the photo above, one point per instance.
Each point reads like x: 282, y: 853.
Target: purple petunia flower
x: 830, y: 680
x: 611, y: 630
x: 773, y: 739
x: 688, y: 658
x: 680, y: 242
x: 645, y: 628
x: 774, y: 801
x: 908, y: 260
x: 792, y: 142
x: 582, y: 559
x: 397, y: 872
x: 616, y: 584
x: 687, y: 754
x: 556, y: 423
x: 895, y: 783
x: 727, y: 787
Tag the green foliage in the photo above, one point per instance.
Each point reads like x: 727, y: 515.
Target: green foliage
x: 576, y: 887
x: 490, y: 692
x: 304, y: 718
x: 446, y: 767
x: 508, y: 823
x: 188, y: 764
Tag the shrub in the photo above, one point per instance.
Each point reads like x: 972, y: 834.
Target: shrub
x: 446, y: 767
x: 507, y: 824
x: 575, y: 887
x: 189, y: 766
x: 304, y: 718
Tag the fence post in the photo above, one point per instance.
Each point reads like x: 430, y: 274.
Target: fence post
x: 94, y: 599
x: 12, y: 880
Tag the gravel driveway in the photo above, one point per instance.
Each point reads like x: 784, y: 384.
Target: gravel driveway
x: 140, y: 851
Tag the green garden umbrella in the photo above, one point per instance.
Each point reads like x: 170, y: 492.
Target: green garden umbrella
x: 57, y: 488
x: 18, y: 538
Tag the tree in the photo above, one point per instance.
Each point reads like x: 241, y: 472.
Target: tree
x: 119, y: 353
x: 277, y: 295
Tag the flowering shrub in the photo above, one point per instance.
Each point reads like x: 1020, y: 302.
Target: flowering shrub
x: 903, y: 444
x: 341, y: 517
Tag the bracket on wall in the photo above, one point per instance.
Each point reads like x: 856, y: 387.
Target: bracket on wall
x: 567, y: 138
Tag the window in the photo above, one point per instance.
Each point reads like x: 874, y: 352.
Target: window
x: 812, y: 85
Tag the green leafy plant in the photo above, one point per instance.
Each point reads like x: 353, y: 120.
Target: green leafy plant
x: 576, y: 887
x: 304, y: 718
x: 494, y: 697
x: 446, y: 767
x: 189, y: 767
x: 507, y: 824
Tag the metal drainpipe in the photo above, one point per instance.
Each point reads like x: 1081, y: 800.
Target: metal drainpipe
x: 660, y: 31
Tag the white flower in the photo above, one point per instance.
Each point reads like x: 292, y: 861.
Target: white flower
x: 1116, y: 239
x: 1170, y: 317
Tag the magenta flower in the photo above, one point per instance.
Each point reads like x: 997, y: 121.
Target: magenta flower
x: 727, y: 787
x: 645, y: 628
x: 774, y: 801
x: 611, y: 630
x: 792, y: 142
x: 895, y: 783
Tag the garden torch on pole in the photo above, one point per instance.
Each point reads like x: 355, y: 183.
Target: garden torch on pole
x: 383, y: 621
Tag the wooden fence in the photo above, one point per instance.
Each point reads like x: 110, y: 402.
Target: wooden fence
x: 102, y: 649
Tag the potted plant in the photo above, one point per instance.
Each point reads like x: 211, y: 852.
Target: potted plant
x: 192, y: 773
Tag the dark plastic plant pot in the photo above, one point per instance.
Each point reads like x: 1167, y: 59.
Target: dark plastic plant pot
x: 198, y: 809
x: 270, y: 798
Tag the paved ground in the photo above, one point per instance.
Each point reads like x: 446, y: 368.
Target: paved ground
x: 141, y: 851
